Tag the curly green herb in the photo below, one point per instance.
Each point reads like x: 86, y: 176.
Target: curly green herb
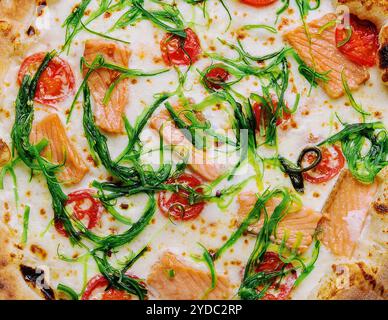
x: 355, y: 138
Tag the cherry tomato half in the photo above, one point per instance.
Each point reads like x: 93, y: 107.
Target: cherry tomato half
x: 258, y: 3
x: 60, y: 228
x: 215, y: 77
x: 263, y: 117
x: 100, y: 282
x: 363, y: 44
x: 280, y: 289
x: 84, y: 205
x: 331, y: 164
x: 177, y: 205
x: 56, y: 82
x: 180, y: 51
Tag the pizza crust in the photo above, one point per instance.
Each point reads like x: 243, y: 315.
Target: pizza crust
x: 377, y: 12
x: 373, y: 10
x: 355, y: 281
x: 18, y: 10
x: 383, y: 54
x: 15, y: 18
x: 12, y: 284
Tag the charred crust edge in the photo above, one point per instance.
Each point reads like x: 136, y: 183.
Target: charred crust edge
x: 383, y: 56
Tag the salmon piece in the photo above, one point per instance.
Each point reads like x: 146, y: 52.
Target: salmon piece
x: 324, y: 56
x: 59, y: 149
x: 299, y: 226
x: 186, y: 283
x: 344, y: 214
x: 198, y: 161
x: 109, y: 116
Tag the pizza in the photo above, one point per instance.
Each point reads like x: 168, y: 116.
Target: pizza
x: 193, y: 149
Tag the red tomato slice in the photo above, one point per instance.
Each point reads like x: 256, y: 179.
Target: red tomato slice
x: 180, y: 51
x: 177, y: 205
x: 363, y: 44
x: 257, y: 110
x: 331, y: 164
x: 270, y: 262
x: 280, y: 289
x: 56, y: 82
x: 93, y: 207
x: 216, y: 76
x: 84, y: 205
x: 258, y: 3
x: 60, y: 228
x: 99, y: 282
x: 114, y: 294
x: 262, y: 116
